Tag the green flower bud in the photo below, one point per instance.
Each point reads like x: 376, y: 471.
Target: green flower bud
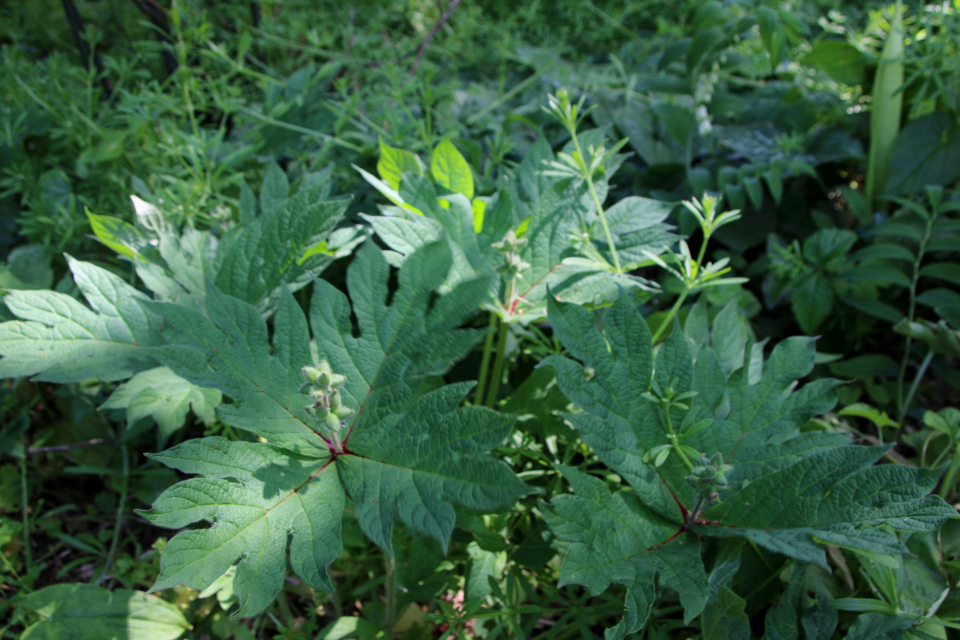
x: 323, y: 365
x: 310, y: 374
x: 321, y: 413
x: 332, y: 423
x: 317, y: 394
x: 323, y: 379
x: 343, y: 412
x: 337, y: 380
x: 334, y: 400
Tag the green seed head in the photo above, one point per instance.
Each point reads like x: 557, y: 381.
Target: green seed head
x: 332, y: 423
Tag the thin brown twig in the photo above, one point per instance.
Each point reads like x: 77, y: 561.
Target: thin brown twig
x: 426, y: 41
x: 67, y: 447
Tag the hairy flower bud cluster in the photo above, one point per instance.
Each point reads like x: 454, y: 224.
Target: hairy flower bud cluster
x: 326, y: 404
x: 510, y: 247
x: 711, y: 475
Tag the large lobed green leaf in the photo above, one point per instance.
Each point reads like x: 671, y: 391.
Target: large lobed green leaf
x: 411, y: 453
x: 789, y: 489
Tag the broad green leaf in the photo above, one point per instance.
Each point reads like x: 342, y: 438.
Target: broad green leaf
x: 946, y: 271
x: 884, y: 251
x: 788, y: 490
x: 812, y: 302
x: 450, y: 170
x: 479, y: 208
x: 27, y: 267
x: 772, y: 34
x: 87, y: 612
x: 275, y: 188
x: 119, y: 236
x: 865, y: 366
x: 394, y: 163
x: 247, y: 203
x: 164, y: 396
x: 264, y: 253
x: 724, y: 619
x: 839, y: 59
x: 927, y: 151
x: 408, y: 454
x: 615, y: 538
x: 59, y: 339
x: 828, y: 245
x: 879, y: 273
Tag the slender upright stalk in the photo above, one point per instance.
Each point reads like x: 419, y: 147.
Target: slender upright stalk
x: 588, y: 176
x: 670, y: 315
x: 498, y: 365
x: 27, y: 554
x: 485, y: 363
x: 121, y: 506
x: 903, y: 402
x: 688, y: 288
x: 950, y: 478
x: 672, y: 436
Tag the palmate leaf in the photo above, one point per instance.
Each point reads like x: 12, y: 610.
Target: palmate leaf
x: 788, y: 490
x: 411, y: 453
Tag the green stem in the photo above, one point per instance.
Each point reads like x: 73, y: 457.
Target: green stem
x: 916, y: 380
x: 670, y: 315
x: 676, y: 442
x: 596, y: 200
x: 498, y: 364
x: 683, y: 296
x: 485, y: 362
x: 121, y: 505
x: 27, y: 555
x: 950, y: 478
x: 904, y: 405
x: 390, y: 614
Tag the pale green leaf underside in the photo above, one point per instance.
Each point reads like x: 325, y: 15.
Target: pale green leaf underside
x: 164, y: 396
x: 59, y: 339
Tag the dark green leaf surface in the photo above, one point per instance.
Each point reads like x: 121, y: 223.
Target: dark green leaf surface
x: 409, y: 455
x: 788, y: 491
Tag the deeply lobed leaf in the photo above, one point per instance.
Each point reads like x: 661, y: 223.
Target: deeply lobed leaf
x: 410, y: 454
x: 788, y: 490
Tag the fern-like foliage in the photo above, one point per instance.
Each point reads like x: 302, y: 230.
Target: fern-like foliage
x: 410, y: 452
x: 764, y: 477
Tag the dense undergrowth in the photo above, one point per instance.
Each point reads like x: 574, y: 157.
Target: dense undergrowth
x: 576, y: 319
